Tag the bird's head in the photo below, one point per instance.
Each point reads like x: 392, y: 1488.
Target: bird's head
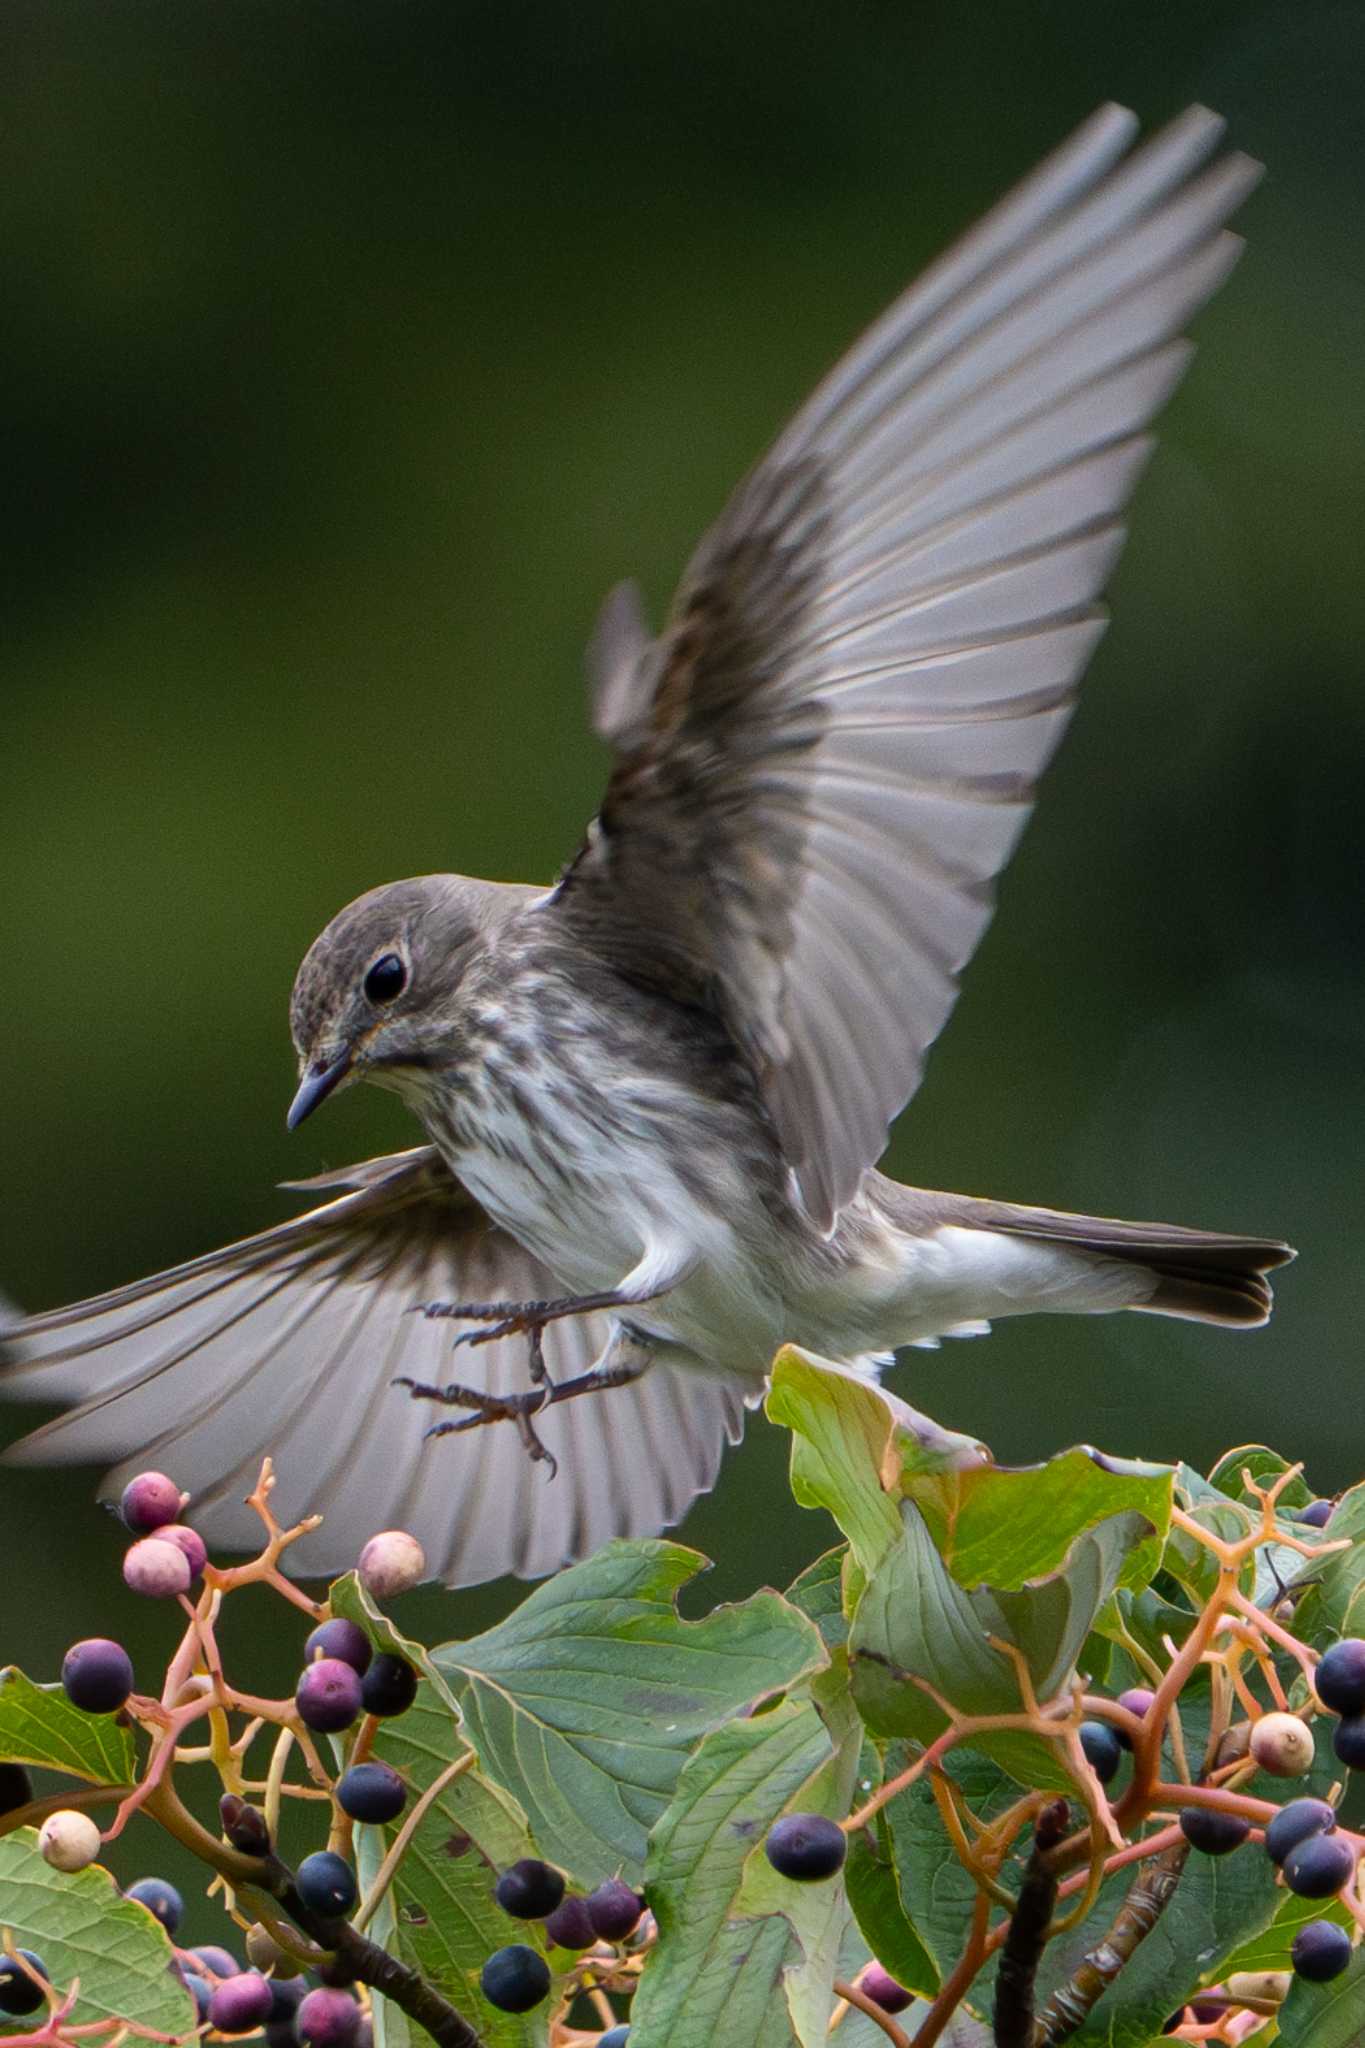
x: 377, y: 995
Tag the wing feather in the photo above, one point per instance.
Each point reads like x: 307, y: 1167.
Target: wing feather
x: 830, y: 753
x: 287, y: 1345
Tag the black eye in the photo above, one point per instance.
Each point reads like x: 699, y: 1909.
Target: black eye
x: 386, y: 979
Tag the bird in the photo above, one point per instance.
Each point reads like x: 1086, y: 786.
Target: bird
x: 653, y: 1093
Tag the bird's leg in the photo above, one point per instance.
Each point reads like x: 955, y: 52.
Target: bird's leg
x: 518, y: 1318
x: 625, y: 1358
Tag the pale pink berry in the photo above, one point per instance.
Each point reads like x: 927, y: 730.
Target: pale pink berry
x: 1283, y: 1745
x: 157, y: 1568
x: 186, y: 1539
x: 392, y: 1562
x: 69, y: 1840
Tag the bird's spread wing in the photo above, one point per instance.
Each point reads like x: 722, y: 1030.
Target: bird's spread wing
x: 830, y: 753
x: 286, y: 1344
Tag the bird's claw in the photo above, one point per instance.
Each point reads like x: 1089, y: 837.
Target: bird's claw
x: 510, y: 1326
x: 514, y: 1408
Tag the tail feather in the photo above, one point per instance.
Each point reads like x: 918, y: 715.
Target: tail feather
x: 1204, y: 1276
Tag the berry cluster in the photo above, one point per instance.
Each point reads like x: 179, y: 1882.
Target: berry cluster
x: 300, y: 1992
x: 1139, y: 1789
x: 1316, y: 1857
x: 517, y: 1978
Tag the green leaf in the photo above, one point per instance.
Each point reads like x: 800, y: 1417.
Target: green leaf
x: 444, y: 1918
x: 854, y: 1445
x: 1325, y: 2015
x: 874, y: 1894
x: 585, y: 1702
x: 937, y: 1892
x: 81, y: 1926
x: 1006, y: 1528
x: 744, y: 1955
x: 915, y: 1623
x: 1264, y: 1466
x: 39, y: 1725
x: 350, y: 1602
x: 819, y: 1594
x: 1334, y: 1603
x: 392, y: 2027
x: 1269, y: 1950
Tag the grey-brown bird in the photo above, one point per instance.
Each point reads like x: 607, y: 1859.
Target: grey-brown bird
x: 654, y: 1094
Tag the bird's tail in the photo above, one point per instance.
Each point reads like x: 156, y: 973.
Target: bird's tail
x: 1205, y: 1276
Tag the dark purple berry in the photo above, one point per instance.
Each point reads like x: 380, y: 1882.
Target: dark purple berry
x: 240, y: 2004
x: 1320, y: 1951
x: 529, y: 1890
x: 615, y: 2037
x: 389, y: 1686
x: 19, y: 1995
x: 806, y: 1846
x: 326, y: 1884
x: 1340, y: 1677
x: 1294, y: 1824
x: 149, y: 1502
x: 614, y: 1909
x: 200, y: 1990
x: 1319, y: 1867
x: 882, y: 1988
x: 337, y: 1970
x: 97, y: 1675
x: 1137, y: 1699
x: 286, y: 1996
x: 1317, y: 1515
x: 244, y: 1825
x: 372, y: 1792
x: 1103, y: 1749
x: 328, y: 1696
x: 1212, y: 1832
x: 340, y: 1638
x: 280, y: 2033
x: 1348, y: 1740
x: 217, y: 1961
x: 186, y: 1539
x: 162, y: 1900
x: 515, y: 1978
x: 328, y: 2019
x: 16, y: 1787
x: 570, y: 1924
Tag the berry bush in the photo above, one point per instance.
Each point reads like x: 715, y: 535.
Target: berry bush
x: 1029, y: 1756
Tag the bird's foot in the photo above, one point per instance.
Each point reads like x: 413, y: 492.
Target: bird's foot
x: 515, y: 1408
x: 516, y: 1319
x: 626, y: 1358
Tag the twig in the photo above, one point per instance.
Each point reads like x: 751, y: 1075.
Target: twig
x: 1012, y: 2018
x: 955, y: 1988
x: 1147, y: 1900
x: 384, y: 1876
x: 853, y: 1994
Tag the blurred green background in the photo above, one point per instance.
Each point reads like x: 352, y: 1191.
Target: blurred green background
x: 352, y: 351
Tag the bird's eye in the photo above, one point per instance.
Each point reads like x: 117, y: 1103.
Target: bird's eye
x: 386, y: 979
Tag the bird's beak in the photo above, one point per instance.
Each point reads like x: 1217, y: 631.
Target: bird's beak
x: 316, y: 1085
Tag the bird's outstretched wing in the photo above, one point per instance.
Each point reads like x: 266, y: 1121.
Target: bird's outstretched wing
x: 286, y: 1344
x: 830, y: 753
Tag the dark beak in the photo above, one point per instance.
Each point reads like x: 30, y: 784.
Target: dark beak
x: 316, y: 1085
